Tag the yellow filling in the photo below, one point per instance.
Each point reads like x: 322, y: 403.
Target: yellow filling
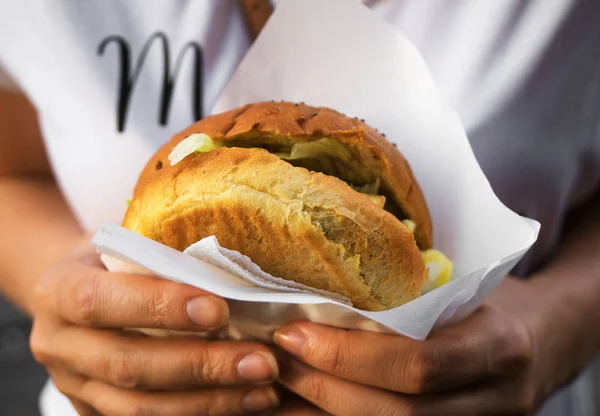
x: 410, y: 225
x: 438, y: 265
x: 440, y: 269
x: 378, y: 200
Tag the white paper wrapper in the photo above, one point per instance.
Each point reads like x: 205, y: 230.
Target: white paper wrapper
x: 336, y: 53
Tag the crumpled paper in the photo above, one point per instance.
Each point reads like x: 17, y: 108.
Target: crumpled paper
x: 338, y: 54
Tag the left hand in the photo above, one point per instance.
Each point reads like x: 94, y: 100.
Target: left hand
x: 500, y: 360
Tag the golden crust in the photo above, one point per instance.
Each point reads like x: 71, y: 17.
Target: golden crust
x: 290, y: 122
x: 295, y: 224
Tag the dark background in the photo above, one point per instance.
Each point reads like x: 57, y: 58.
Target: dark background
x: 21, y: 378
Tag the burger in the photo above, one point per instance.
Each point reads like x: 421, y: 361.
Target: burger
x: 307, y: 193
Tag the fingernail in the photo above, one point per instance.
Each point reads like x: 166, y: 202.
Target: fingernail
x: 260, y: 399
x: 258, y: 366
x: 207, y: 311
x: 292, y: 340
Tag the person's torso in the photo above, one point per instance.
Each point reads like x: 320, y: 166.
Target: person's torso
x: 113, y: 80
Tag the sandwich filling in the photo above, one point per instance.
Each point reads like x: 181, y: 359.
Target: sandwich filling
x: 332, y: 158
x: 323, y: 155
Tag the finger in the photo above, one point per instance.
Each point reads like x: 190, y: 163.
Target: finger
x: 489, y: 399
x: 82, y: 408
x: 294, y: 405
x: 111, y: 400
x: 69, y: 384
x: 478, y: 348
x: 298, y: 407
x: 390, y: 362
x: 92, y: 296
x: 337, y: 396
x: 162, y: 363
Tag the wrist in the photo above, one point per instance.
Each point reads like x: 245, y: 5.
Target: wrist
x: 562, y: 327
x: 68, y: 248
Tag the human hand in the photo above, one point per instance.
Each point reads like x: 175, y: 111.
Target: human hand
x: 501, y: 360
x: 80, y: 309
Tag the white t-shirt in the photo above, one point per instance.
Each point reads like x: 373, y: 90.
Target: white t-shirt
x: 113, y: 80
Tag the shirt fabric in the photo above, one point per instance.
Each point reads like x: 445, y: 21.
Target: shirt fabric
x: 113, y: 80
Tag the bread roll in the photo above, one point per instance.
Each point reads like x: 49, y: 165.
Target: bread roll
x: 294, y: 208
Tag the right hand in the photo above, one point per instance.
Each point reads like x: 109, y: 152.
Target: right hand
x: 80, y: 310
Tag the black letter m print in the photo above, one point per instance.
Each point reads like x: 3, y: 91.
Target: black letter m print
x: 127, y: 79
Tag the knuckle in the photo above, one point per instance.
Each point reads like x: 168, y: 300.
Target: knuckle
x: 136, y: 408
x: 412, y: 408
x: 206, y: 370
x: 121, y: 371
x: 160, y: 307
x: 40, y: 347
x: 60, y: 383
x: 64, y: 382
x: 317, y: 388
x: 524, y: 404
x: 423, y: 369
x: 84, y: 301
x: 61, y: 386
x: 516, y: 349
x: 218, y: 404
x: 388, y: 408
x: 43, y: 292
x: 523, y: 349
x: 333, y: 356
